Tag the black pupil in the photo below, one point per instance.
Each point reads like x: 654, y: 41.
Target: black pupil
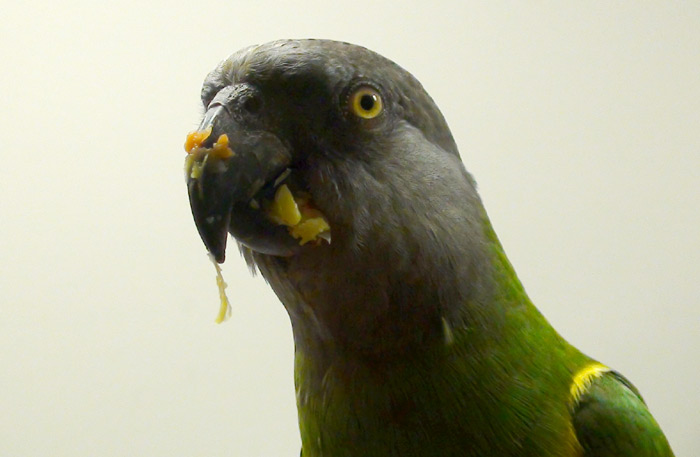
x: 367, y: 102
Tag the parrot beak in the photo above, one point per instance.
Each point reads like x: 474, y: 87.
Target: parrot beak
x: 226, y: 167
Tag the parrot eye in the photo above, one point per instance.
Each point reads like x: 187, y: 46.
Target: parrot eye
x: 365, y: 102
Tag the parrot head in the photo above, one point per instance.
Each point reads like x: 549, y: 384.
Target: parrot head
x: 334, y: 122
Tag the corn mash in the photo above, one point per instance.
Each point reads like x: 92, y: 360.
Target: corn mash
x: 194, y: 164
x: 195, y: 139
x: 219, y: 150
x: 304, y: 222
x: 225, y: 306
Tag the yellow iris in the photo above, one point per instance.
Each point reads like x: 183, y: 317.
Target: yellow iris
x: 365, y: 102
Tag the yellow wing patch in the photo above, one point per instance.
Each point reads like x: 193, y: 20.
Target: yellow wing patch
x: 583, y: 379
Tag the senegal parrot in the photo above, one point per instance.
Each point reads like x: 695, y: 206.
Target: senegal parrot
x: 339, y: 178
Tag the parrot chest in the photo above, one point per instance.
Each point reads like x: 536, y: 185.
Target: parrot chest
x: 348, y: 411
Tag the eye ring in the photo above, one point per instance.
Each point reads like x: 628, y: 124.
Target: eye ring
x: 366, y: 102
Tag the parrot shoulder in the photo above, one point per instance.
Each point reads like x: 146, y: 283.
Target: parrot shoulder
x: 610, y: 418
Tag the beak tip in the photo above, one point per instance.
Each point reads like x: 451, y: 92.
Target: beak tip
x: 219, y: 256
x: 214, y: 239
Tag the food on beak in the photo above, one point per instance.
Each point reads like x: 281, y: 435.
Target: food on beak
x: 195, y: 139
x: 194, y: 164
x: 303, y: 221
x: 225, y: 306
x: 273, y: 201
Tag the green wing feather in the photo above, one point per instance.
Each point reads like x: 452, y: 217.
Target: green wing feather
x: 611, y: 420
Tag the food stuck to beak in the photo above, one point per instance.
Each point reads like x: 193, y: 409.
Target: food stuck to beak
x: 274, y: 202
x: 303, y: 221
x: 198, y: 156
x: 224, y: 306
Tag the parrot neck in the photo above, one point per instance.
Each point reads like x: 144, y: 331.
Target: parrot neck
x: 394, y: 301
x: 379, y: 306
x: 428, y: 371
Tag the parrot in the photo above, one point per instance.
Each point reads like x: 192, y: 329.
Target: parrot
x: 413, y: 335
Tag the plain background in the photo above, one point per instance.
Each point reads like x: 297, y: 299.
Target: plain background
x: 579, y: 120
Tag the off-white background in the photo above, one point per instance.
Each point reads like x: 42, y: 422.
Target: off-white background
x: 580, y: 121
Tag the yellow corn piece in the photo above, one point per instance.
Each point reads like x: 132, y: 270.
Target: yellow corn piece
x: 303, y: 222
x: 309, y: 229
x: 284, y: 209
x: 221, y: 149
x: 194, y: 168
x: 197, y: 156
x: 195, y: 139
